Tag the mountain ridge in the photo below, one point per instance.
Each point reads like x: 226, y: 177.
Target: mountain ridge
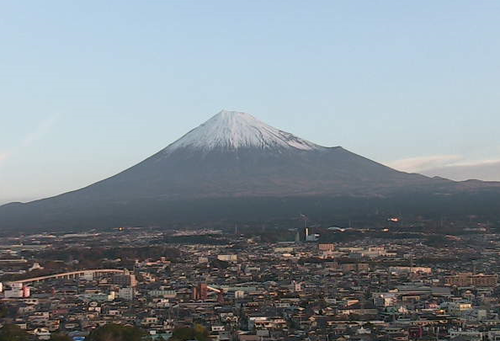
x: 233, y: 156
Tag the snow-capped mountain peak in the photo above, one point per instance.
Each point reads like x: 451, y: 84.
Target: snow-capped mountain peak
x: 235, y: 130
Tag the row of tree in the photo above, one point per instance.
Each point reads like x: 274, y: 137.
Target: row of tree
x: 110, y: 332
x: 11, y: 332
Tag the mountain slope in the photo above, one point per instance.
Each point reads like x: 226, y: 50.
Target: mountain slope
x: 232, y: 155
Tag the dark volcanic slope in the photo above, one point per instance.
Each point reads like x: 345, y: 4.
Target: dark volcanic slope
x: 233, y: 155
x: 247, y: 172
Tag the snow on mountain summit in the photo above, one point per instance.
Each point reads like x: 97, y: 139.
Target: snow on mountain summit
x: 235, y: 130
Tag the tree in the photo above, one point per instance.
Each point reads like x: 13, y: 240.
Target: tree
x: 116, y: 332
x: 3, y: 311
x: 198, y: 332
x: 60, y: 337
x: 11, y: 332
x: 201, y: 333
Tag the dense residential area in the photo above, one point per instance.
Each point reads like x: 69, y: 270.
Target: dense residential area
x: 231, y: 286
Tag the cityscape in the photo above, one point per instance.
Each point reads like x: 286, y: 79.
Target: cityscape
x: 240, y: 287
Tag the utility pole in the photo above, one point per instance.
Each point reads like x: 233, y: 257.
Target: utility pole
x: 411, y: 263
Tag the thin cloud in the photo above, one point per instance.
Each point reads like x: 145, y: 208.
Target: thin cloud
x: 453, y: 167
x: 3, y: 156
x: 38, y: 133
x: 419, y: 164
x: 476, y: 163
x: 488, y: 170
x: 41, y: 130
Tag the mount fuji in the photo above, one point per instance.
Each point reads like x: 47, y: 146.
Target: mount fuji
x: 231, y: 163
x: 234, y: 154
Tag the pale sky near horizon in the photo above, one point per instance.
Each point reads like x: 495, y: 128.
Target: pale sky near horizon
x: 91, y: 87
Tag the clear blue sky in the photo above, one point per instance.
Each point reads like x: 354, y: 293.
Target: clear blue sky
x: 89, y: 88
